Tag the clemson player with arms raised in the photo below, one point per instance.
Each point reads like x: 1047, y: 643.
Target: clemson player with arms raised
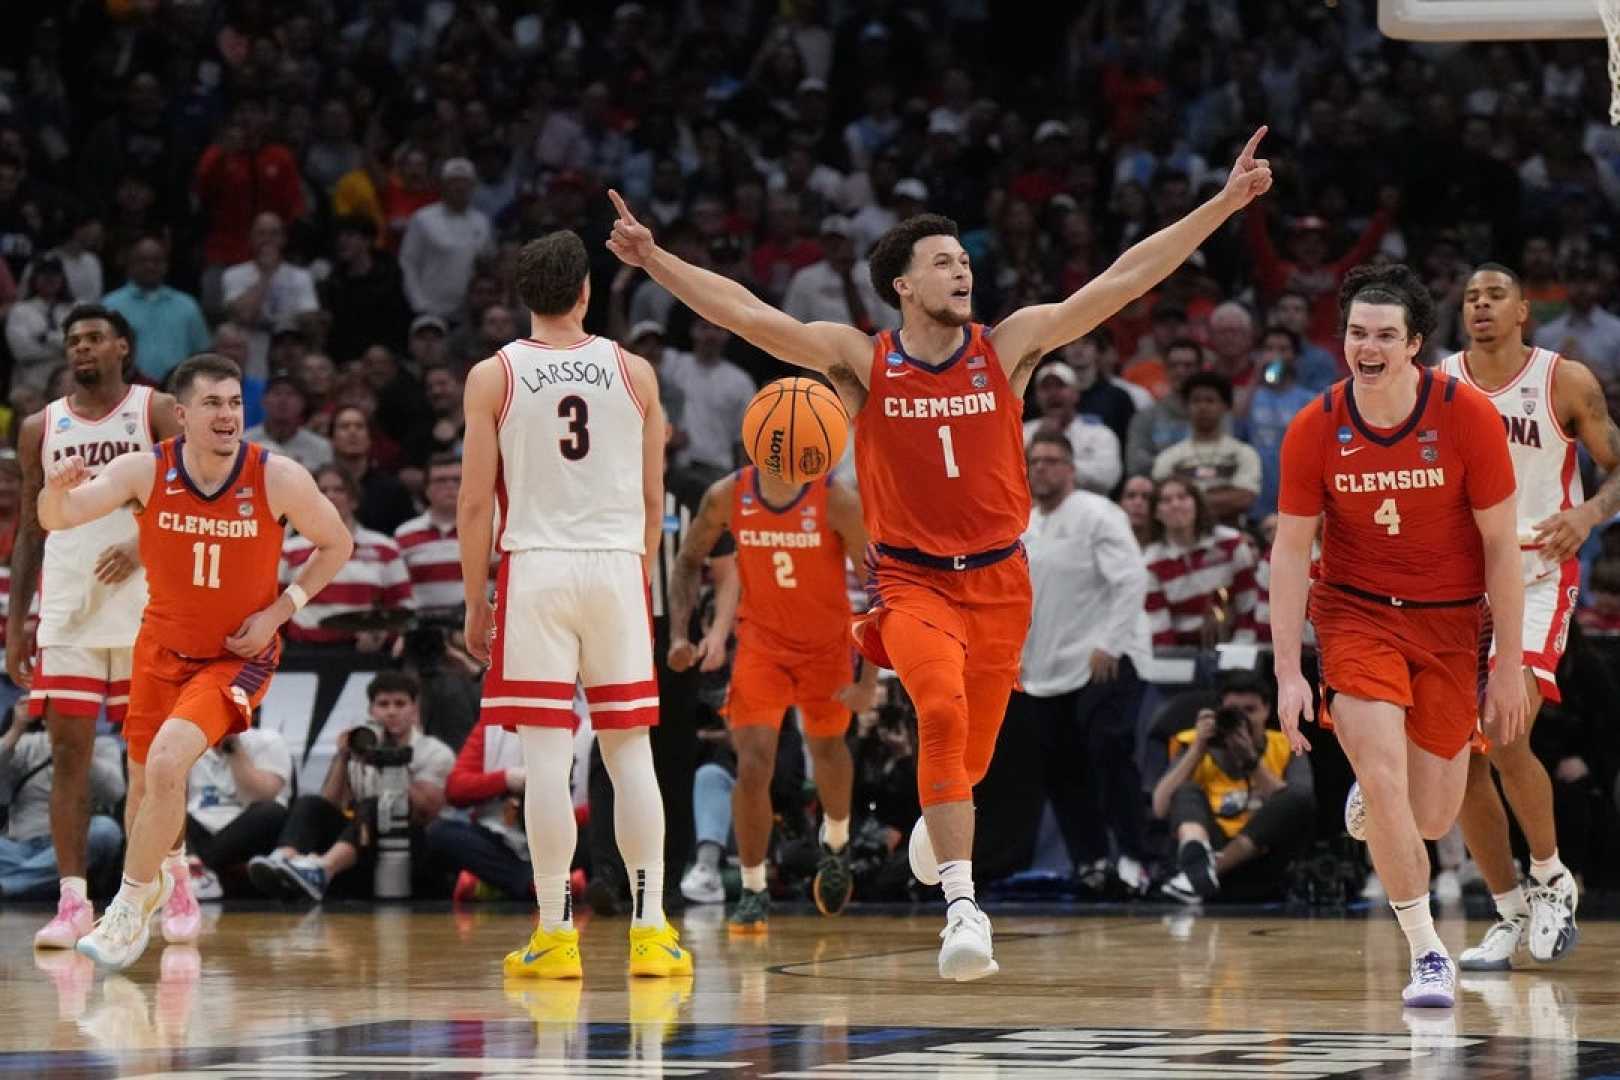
x: 939, y: 452
x: 1548, y: 405
x: 793, y: 648
x: 211, y: 510
x: 1407, y: 471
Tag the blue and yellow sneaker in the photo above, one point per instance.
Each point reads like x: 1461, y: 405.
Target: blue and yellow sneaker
x: 658, y: 952
x: 550, y: 954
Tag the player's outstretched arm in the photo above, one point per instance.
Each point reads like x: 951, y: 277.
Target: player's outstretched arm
x: 1030, y: 333
x: 70, y: 498
x: 1503, y: 712
x: 819, y: 346
x: 475, y: 506
x: 1290, y: 574
x: 293, y: 496
x: 654, y: 440
x: 1580, y: 397
x: 699, y: 542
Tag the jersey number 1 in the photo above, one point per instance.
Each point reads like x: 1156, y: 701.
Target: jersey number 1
x: 1389, y: 517
x: 200, y: 554
x: 950, y: 451
x: 573, y: 409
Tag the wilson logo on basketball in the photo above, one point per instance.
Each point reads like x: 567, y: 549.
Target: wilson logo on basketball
x: 773, y: 458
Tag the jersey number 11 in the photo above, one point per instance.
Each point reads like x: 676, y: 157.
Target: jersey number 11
x: 200, y: 554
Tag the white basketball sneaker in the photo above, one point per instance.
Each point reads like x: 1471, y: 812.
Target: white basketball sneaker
x: 966, y: 953
x: 1552, y: 917
x: 1495, y: 950
x: 121, y: 934
x: 924, y: 866
x: 1355, y: 813
x: 1434, y: 983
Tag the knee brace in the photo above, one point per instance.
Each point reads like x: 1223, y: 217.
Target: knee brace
x: 936, y: 690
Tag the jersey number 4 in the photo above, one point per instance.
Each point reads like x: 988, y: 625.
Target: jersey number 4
x: 1389, y: 517
x: 578, y: 443
x: 205, y: 557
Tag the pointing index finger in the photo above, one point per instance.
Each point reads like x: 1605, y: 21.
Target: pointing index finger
x: 618, y: 204
x: 1247, y: 156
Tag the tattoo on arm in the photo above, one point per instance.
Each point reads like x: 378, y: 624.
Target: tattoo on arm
x: 1602, y: 440
x: 700, y: 540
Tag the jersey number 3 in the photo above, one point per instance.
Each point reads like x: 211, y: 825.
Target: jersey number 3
x: 1389, y: 517
x: 578, y: 443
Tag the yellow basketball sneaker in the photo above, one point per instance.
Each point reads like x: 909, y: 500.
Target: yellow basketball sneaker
x: 658, y: 952
x: 550, y: 954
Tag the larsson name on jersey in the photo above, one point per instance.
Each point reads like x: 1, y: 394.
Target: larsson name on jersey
x: 924, y: 408
x: 540, y: 376
x: 95, y: 454
x: 195, y: 525
x: 1389, y: 480
x: 778, y: 538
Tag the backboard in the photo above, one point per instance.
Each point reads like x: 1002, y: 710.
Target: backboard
x: 1488, y: 20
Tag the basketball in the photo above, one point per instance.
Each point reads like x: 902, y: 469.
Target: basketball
x: 795, y: 430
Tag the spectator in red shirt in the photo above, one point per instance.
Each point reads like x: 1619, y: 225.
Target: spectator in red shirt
x: 783, y: 251
x: 491, y: 849
x: 238, y: 178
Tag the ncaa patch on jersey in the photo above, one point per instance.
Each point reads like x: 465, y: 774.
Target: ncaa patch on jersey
x: 1345, y: 436
x: 894, y: 359
x: 172, y: 475
x: 64, y: 423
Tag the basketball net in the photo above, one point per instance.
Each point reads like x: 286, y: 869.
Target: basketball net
x: 1610, y: 12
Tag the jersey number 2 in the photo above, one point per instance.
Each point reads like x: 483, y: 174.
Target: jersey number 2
x: 1389, y: 517
x: 202, y: 553
x: 578, y: 443
x: 784, y: 570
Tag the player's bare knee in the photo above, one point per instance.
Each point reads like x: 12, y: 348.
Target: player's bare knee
x: 1514, y: 757
x: 827, y: 747
x: 73, y: 741
x: 1435, y: 822
x: 754, y: 767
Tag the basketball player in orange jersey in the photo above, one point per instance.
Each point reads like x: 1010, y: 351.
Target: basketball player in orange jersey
x: 1548, y: 404
x: 1407, y: 471
x: 211, y: 510
x: 793, y: 648
x: 90, y: 606
x: 565, y: 431
x: 939, y: 452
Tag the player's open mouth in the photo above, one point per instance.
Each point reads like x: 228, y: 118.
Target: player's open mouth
x: 961, y: 294
x: 1370, y: 369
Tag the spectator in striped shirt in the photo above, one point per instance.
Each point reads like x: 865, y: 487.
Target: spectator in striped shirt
x: 374, y: 577
x: 427, y: 542
x: 1201, y: 576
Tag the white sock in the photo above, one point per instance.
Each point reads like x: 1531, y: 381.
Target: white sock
x: 1511, y: 904
x: 835, y: 832
x: 138, y: 893
x: 753, y: 878
x: 77, y: 886
x: 179, y: 868
x: 638, y: 819
x: 1418, y: 926
x: 956, y: 877
x: 548, y: 819
x: 1544, y: 870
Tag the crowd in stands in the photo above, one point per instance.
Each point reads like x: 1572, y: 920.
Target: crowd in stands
x: 332, y: 193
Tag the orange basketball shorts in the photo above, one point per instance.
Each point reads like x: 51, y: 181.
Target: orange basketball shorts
x: 955, y: 638
x: 765, y: 682
x: 218, y: 694
x: 1429, y: 661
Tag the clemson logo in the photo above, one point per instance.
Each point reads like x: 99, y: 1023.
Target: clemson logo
x: 812, y: 461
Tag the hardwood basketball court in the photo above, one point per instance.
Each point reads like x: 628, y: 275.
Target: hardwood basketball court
x: 1143, y: 992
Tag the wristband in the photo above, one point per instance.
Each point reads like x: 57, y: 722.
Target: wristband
x: 297, y: 595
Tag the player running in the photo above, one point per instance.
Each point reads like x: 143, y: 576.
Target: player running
x: 793, y: 649
x: 939, y: 451
x: 1548, y: 404
x: 211, y: 510
x: 1407, y: 471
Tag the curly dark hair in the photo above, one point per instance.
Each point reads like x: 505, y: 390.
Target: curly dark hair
x: 1392, y: 284
x: 891, y: 255
x: 551, y: 271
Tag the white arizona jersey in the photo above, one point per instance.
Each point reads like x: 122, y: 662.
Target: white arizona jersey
x: 1544, y: 458
x: 75, y: 608
x: 570, y: 438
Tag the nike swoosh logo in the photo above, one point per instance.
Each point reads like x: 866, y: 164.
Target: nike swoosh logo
x: 753, y: 510
x: 674, y: 952
x: 1346, y: 451
x: 174, y: 491
x: 895, y: 373
x: 531, y: 957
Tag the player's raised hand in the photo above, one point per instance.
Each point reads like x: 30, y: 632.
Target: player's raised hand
x: 1503, y: 713
x: 66, y: 474
x: 1293, y: 705
x: 631, y: 241
x: 1251, y: 176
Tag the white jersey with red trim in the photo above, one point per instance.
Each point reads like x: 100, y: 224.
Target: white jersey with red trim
x: 75, y: 607
x: 1544, y: 454
x: 570, y: 439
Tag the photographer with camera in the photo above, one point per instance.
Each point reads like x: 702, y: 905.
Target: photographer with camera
x: 27, y: 859
x: 1240, y: 805
x: 236, y: 805
x: 379, y: 764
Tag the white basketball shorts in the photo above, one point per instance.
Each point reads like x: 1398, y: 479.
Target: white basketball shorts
x: 567, y: 615
x: 1549, y: 604
x: 79, y: 680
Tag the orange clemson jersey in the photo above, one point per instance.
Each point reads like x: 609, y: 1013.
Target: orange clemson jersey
x: 939, y: 450
x: 211, y: 560
x: 791, y: 563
